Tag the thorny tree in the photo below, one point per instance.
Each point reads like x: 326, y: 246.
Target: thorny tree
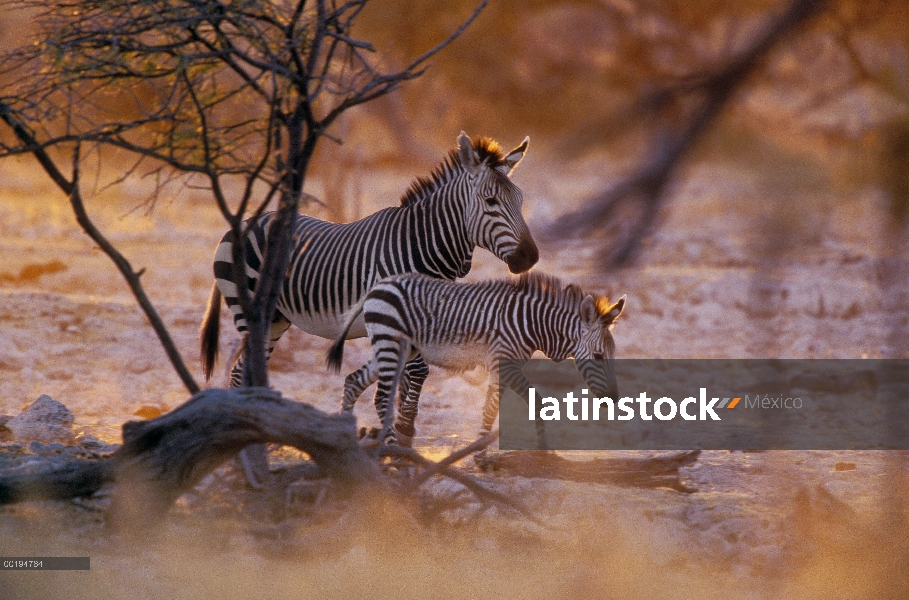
x: 231, y: 96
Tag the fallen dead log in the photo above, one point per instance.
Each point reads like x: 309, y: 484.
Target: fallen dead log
x: 74, y: 478
x: 650, y: 472
x: 162, y: 458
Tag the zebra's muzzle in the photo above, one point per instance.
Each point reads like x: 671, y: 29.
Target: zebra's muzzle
x: 524, y: 256
x: 611, y: 391
x: 600, y: 378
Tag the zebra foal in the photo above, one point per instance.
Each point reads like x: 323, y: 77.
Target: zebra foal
x: 460, y: 325
x: 467, y: 201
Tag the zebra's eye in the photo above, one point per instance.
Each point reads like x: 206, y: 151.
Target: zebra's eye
x: 491, y: 201
x: 597, y: 356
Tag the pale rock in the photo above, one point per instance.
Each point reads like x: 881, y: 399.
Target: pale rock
x: 46, y: 420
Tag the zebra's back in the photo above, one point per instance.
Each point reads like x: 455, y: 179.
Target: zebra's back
x: 334, y: 266
x: 453, y: 325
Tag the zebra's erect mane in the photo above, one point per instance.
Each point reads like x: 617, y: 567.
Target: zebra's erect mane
x: 486, y: 148
x: 553, y: 287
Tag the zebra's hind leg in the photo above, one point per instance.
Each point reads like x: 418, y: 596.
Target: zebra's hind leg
x: 279, y: 325
x: 415, y: 373
x: 356, y: 382
x: 390, y: 358
x: 254, y: 458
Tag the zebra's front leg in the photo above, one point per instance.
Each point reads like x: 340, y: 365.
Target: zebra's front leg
x: 415, y: 373
x: 490, y: 412
x: 510, y: 373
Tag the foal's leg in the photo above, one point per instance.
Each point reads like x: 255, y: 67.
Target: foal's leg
x: 356, y: 382
x: 511, y: 374
x: 390, y: 356
x: 415, y: 373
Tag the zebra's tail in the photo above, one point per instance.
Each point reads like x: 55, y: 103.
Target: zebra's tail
x: 336, y: 352
x: 209, y: 331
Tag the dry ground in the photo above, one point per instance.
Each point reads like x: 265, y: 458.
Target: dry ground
x: 807, y: 274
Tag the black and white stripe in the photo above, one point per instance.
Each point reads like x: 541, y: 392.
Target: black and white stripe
x: 461, y: 325
x: 468, y: 201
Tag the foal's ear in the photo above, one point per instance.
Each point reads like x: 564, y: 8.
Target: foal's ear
x: 588, y: 310
x: 514, y: 158
x: 614, y: 311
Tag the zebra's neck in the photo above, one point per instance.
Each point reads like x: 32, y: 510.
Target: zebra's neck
x: 549, y: 322
x: 440, y: 244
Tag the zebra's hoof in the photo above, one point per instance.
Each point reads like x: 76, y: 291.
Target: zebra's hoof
x: 483, y: 461
x: 405, y: 441
x: 368, y: 433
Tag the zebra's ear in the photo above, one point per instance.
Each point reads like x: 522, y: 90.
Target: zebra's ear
x: 589, y: 310
x: 514, y: 158
x: 614, y: 311
x: 469, y: 157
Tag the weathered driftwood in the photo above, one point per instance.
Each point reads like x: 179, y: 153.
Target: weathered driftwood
x: 69, y: 478
x: 651, y: 472
x: 163, y: 458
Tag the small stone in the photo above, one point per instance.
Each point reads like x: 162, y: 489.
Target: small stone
x: 90, y: 441
x: 46, y: 420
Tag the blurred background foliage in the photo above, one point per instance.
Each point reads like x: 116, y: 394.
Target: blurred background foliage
x: 830, y: 104
x: 577, y: 76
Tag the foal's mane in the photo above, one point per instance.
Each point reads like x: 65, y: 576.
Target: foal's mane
x: 553, y: 287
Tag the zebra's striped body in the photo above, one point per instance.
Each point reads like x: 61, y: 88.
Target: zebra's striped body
x: 461, y: 325
x: 468, y: 201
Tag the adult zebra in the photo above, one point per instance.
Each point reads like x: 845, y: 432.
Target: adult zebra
x: 467, y: 201
x: 498, y: 324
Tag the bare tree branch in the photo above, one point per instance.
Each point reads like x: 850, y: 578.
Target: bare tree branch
x: 454, y: 457
x: 70, y: 187
x: 484, y: 493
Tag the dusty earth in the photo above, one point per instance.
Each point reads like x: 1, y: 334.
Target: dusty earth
x: 746, y: 264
